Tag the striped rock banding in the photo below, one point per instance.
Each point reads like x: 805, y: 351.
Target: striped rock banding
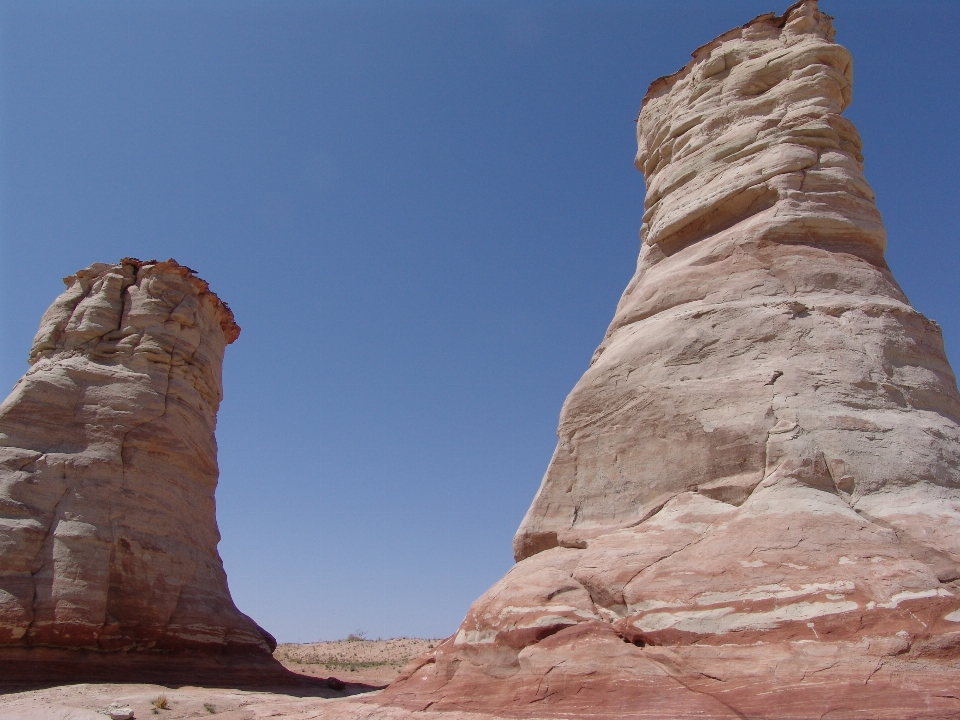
x: 753, y: 509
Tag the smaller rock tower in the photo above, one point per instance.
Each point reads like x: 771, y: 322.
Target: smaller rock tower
x: 108, y: 466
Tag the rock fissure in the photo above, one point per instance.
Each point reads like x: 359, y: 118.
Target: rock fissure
x: 674, y: 675
x: 48, y: 538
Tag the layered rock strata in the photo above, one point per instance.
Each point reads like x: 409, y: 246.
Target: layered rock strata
x: 108, y: 466
x: 753, y: 509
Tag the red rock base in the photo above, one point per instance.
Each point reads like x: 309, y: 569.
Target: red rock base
x: 588, y: 671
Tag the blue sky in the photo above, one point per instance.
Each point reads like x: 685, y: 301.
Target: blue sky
x: 423, y: 214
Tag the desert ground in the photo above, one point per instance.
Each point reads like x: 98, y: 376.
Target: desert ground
x: 353, y: 661
x: 361, y: 666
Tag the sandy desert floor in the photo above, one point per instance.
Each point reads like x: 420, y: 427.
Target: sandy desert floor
x: 372, y: 662
x: 363, y: 666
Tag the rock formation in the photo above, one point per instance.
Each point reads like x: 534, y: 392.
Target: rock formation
x: 108, y: 466
x: 753, y: 509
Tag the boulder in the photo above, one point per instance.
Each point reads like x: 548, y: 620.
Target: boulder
x: 108, y: 466
x: 753, y: 509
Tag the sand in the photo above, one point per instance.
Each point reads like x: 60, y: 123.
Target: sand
x: 372, y: 662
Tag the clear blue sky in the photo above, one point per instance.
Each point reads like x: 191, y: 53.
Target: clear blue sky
x: 423, y: 214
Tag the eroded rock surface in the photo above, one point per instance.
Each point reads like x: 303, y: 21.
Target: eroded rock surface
x: 108, y: 466
x: 753, y: 509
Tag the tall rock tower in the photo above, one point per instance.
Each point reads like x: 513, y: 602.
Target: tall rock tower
x: 753, y: 509
x: 108, y: 466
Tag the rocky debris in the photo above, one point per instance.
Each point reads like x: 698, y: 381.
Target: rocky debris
x: 336, y: 684
x: 753, y: 508
x: 108, y: 466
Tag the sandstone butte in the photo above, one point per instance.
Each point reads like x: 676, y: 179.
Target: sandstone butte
x: 753, y: 510
x: 108, y: 465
